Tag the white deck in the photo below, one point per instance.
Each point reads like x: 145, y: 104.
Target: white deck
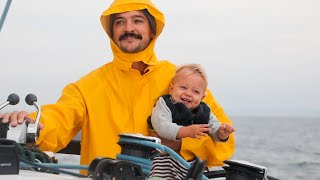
x: 35, y: 175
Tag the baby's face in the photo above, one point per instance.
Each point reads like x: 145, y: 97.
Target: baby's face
x: 188, y: 88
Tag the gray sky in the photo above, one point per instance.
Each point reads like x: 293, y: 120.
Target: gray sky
x: 262, y: 57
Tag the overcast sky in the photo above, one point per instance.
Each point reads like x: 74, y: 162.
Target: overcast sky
x: 262, y: 57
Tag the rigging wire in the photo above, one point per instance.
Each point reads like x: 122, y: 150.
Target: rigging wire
x: 5, y: 12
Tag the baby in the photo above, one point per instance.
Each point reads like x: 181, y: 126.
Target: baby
x: 181, y: 113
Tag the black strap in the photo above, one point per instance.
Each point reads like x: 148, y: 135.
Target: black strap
x: 74, y: 147
x: 3, y: 129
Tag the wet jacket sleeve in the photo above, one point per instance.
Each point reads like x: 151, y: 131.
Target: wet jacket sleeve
x: 62, y: 120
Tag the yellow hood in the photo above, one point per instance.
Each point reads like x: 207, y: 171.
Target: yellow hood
x: 125, y: 60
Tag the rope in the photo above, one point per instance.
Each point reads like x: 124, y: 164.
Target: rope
x: 145, y: 164
x: 31, y: 157
x: 63, y: 166
x: 40, y: 165
x: 134, y: 159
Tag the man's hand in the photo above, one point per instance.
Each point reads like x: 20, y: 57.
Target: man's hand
x: 16, y: 118
x: 224, y: 131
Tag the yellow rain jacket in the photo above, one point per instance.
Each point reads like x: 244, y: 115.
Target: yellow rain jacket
x: 116, y: 99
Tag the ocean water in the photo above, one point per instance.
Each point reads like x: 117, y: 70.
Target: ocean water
x: 288, y: 147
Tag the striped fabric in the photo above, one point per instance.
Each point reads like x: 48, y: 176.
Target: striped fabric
x: 168, y: 168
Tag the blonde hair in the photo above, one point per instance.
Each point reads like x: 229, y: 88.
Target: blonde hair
x: 195, y: 69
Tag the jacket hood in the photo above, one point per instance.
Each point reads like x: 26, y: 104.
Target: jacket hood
x: 125, y: 60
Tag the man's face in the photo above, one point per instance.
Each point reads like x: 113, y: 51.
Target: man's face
x: 131, y: 31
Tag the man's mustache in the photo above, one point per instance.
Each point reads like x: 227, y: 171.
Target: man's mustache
x: 130, y: 34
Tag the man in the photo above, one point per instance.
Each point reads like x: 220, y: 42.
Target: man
x: 119, y: 96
